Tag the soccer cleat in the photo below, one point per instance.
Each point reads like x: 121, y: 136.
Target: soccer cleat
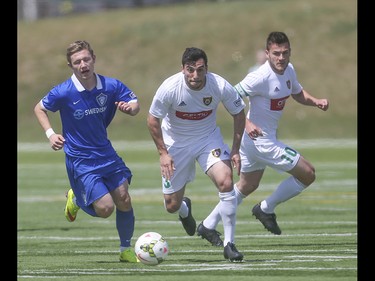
x: 231, y: 253
x: 211, y: 235
x: 188, y: 223
x: 71, y: 208
x: 268, y: 220
x: 128, y: 255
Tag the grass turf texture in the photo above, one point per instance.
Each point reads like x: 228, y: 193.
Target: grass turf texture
x: 319, y: 239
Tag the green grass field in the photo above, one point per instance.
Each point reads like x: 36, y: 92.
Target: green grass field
x: 319, y: 239
x: 144, y: 46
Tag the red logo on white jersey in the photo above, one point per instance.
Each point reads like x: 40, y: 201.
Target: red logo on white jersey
x: 193, y: 115
x: 278, y: 104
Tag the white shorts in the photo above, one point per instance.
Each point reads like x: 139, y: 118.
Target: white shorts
x: 206, y: 152
x: 272, y: 153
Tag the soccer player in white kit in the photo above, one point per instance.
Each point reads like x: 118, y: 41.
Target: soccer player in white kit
x: 268, y: 89
x: 182, y: 123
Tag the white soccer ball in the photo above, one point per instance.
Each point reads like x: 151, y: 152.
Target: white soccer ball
x: 151, y: 248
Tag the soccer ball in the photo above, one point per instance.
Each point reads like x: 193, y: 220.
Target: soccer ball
x: 151, y: 248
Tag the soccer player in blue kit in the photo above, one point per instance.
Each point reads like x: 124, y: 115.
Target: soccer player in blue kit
x: 98, y: 176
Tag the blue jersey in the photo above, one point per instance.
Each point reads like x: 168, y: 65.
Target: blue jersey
x: 85, y: 115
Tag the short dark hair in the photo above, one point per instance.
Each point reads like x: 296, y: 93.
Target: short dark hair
x: 193, y: 54
x: 276, y: 37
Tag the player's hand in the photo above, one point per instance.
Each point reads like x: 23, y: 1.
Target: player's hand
x: 166, y: 166
x: 253, y: 130
x: 323, y: 104
x: 123, y: 106
x: 236, y: 162
x: 56, y: 141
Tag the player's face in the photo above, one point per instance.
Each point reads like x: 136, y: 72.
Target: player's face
x: 278, y: 57
x: 195, y: 74
x: 82, y: 64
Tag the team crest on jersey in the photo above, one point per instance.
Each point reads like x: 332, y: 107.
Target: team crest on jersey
x: 101, y: 99
x: 288, y: 84
x: 207, y: 100
x: 216, y: 152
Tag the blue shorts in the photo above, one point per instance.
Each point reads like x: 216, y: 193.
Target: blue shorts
x: 91, y: 179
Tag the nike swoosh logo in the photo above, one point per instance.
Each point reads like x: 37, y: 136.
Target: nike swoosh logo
x: 75, y: 102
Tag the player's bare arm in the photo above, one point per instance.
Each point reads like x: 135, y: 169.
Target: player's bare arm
x: 238, y: 127
x: 56, y: 140
x: 306, y: 99
x: 166, y: 161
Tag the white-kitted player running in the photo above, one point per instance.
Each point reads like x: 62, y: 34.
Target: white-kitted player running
x: 268, y: 89
x: 182, y: 123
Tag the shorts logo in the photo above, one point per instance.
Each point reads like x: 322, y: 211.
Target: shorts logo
x: 238, y: 102
x: 167, y: 184
x: 207, y: 100
x: 216, y: 152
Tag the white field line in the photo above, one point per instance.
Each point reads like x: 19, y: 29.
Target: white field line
x: 289, y: 257
x: 348, y: 186
x: 176, y: 268
x: 330, y: 257
x: 149, y: 145
x: 296, y: 256
x: 90, y: 252
x: 115, y: 238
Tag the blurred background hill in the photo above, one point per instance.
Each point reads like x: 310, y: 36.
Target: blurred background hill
x: 141, y: 43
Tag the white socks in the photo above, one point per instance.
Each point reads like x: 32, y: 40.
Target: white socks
x: 286, y: 190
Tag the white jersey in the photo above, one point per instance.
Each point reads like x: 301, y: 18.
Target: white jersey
x: 188, y: 115
x: 268, y: 92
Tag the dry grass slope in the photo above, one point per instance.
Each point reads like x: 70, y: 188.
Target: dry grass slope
x: 144, y: 46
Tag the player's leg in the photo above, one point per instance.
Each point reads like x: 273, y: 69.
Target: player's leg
x: 174, y: 189
x: 125, y: 221
x: 304, y: 171
x: 84, y: 191
x: 221, y: 174
x: 117, y: 178
x: 248, y: 182
x: 283, y: 158
x: 75, y: 203
x: 303, y: 174
x: 176, y: 202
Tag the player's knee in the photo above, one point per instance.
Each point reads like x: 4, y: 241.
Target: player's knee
x: 171, y: 206
x: 104, y: 211
x: 125, y: 202
x: 246, y: 187
x: 309, y: 177
x: 225, y: 185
